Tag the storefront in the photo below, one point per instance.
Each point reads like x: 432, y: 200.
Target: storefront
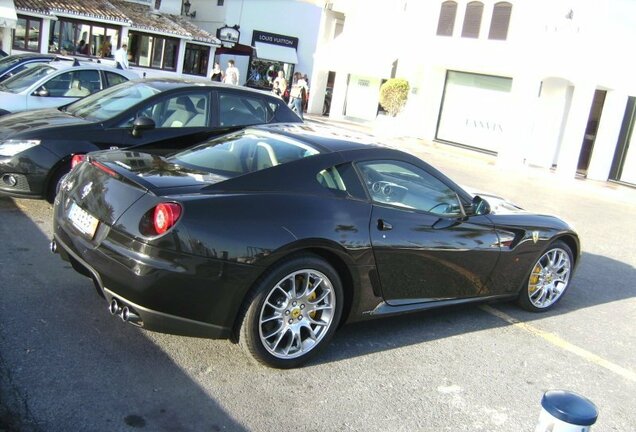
x: 156, y: 41
x: 274, y: 53
x: 475, y: 111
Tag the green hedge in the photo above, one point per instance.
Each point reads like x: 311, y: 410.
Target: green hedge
x: 393, y: 95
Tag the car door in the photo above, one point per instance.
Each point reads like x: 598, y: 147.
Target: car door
x: 424, y: 247
x: 181, y: 120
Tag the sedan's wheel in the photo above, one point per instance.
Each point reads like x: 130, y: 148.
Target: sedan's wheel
x: 293, y: 312
x: 548, y: 279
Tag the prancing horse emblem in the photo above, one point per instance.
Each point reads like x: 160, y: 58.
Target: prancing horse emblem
x: 535, y: 236
x: 87, y: 189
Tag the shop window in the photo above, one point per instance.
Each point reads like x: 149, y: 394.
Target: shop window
x: 472, y: 20
x: 153, y: 51
x: 500, y: 21
x: 26, y: 35
x: 447, y: 16
x: 196, y: 58
x: 81, y: 38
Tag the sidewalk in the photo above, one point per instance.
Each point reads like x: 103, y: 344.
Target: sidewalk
x: 480, y: 171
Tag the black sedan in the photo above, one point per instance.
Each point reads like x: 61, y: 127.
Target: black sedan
x: 38, y: 147
x: 275, y: 235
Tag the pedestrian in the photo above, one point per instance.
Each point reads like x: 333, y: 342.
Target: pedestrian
x: 217, y: 73
x: 281, y: 82
x: 231, y: 74
x: 298, y: 94
x: 276, y: 89
x: 121, y: 57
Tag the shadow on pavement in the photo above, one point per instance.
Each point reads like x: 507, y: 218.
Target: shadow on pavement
x: 66, y: 365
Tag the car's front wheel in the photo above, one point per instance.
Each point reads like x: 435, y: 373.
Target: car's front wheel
x: 549, y: 278
x: 292, y: 313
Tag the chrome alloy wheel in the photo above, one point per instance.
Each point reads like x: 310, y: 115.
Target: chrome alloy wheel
x: 549, y: 278
x: 297, y: 314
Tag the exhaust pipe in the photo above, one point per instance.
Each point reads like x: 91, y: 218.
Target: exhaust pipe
x: 129, y: 316
x: 114, y: 307
x: 53, y: 246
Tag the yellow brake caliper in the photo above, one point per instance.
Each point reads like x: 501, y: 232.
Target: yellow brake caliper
x: 534, y: 278
x: 312, y: 297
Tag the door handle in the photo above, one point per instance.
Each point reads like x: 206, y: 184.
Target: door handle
x: 384, y: 225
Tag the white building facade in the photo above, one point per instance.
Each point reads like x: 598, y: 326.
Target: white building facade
x: 535, y: 83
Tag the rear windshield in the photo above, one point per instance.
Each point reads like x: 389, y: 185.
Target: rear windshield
x: 7, y: 63
x: 243, y: 152
x: 27, y: 78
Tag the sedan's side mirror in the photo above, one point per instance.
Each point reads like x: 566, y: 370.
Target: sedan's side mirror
x: 480, y: 206
x: 141, y: 124
x: 43, y: 92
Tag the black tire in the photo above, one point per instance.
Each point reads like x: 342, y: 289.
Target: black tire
x: 558, y: 277
x: 51, y: 188
x: 298, y: 269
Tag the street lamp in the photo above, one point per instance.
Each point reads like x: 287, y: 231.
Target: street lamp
x: 186, y: 9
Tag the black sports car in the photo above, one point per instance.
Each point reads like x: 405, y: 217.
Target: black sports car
x: 275, y: 235
x: 38, y: 147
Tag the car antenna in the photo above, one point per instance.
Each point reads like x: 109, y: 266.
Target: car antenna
x: 76, y: 62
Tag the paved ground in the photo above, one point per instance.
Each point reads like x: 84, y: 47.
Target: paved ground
x: 65, y: 364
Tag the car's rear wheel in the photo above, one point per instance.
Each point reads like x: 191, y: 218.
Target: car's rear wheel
x: 549, y: 278
x: 292, y: 313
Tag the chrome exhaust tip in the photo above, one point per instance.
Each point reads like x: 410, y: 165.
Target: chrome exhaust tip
x: 114, y: 307
x: 53, y: 246
x: 129, y: 316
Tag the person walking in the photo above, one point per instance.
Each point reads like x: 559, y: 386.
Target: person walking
x: 298, y: 94
x: 231, y: 74
x: 217, y: 73
x: 121, y: 57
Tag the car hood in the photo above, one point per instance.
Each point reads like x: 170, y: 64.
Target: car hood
x: 35, y: 121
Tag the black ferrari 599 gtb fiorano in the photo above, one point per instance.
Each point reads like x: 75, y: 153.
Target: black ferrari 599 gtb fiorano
x: 275, y: 235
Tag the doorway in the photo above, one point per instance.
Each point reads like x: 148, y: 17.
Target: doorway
x: 590, y: 132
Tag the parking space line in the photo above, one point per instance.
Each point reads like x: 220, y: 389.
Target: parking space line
x: 563, y: 344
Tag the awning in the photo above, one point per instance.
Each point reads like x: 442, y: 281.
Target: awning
x: 237, y: 49
x: 276, y: 52
x: 8, y: 17
x: 357, y: 54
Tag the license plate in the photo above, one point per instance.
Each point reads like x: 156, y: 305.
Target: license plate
x: 82, y: 220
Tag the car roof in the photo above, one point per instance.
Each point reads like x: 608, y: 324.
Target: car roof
x: 62, y: 63
x: 164, y: 84
x: 326, y: 139
x: 32, y: 56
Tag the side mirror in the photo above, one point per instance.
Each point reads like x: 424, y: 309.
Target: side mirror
x: 42, y: 92
x: 141, y: 124
x: 480, y: 206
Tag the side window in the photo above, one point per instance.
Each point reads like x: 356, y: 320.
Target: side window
x: 404, y: 185
x: 59, y: 85
x: 114, y: 79
x: 74, y: 84
x: 239, y: 110
x: 342, y: 178
x: 184, y: 110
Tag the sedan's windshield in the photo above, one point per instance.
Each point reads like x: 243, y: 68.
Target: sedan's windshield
x: 111, y: 102
x: 27, y: 78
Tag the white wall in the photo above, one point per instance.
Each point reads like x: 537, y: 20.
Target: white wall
x: 285, y: 17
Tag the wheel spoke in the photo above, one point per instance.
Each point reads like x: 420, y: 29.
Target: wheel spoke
x: 288, y: 327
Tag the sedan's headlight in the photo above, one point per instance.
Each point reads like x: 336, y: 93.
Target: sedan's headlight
x: 13, y: 147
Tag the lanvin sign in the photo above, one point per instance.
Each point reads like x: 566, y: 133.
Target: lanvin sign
x: 274, y: 39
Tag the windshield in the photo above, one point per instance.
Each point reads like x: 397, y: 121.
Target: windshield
x: 243, y: 152
x: 111, y: 102
x: 27, y: 78
x: 7, y: 63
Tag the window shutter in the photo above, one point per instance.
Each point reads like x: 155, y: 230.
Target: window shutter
x: 447, y: 15
x: 500, y: 21
x: 472, y: 19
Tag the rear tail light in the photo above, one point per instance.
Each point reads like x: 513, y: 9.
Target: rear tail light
x: 165, y: 216
x: 77, y: 159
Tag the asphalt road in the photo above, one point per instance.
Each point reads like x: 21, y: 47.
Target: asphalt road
x: 66, y: 364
